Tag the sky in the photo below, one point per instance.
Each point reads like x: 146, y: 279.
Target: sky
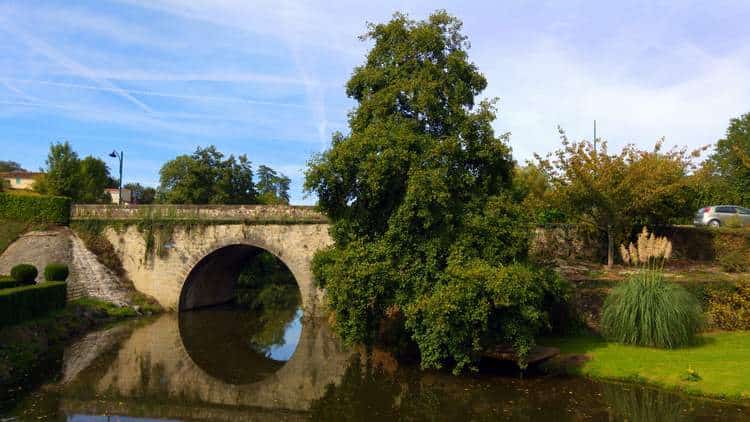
x: 158, y: 78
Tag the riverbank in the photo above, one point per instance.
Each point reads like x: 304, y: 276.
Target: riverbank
x: 717, y: 367
x: 32, y: 351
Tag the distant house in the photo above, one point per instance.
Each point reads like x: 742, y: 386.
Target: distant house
x: 114, y: 193
x: 23, y: 180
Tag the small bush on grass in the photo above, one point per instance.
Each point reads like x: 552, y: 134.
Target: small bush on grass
x: 56, y: 272
x: 24, y: 273
x: 648, y: 311
x: 731, y: 310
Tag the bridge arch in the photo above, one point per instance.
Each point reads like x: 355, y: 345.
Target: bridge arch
x: 164, y: 276
x: 215, y: 269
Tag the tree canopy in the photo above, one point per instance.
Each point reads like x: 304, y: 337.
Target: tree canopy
x: 206, y: 177
x: 731, y: 162
x: 418, y: 192
x: 615, y: 192
x: 272, y: 187
x: 66, y: 174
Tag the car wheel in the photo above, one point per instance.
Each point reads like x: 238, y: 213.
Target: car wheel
x: 714, y: 223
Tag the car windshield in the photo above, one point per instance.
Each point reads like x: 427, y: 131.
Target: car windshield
x: 743, y: 210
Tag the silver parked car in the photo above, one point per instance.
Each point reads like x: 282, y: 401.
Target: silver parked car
x: 720, y: 215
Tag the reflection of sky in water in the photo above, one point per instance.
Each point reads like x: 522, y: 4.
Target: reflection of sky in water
x: 292, y: 331
x: 113, y: 418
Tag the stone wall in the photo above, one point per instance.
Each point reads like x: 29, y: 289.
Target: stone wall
x: 283, y: 214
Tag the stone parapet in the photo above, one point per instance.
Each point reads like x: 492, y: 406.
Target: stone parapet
x: 279, y: 214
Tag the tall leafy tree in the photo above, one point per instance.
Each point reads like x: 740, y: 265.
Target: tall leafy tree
x: 62, y: 172
x: 418, y: 193
x: 206, y: 177
x: 731, y: 162
x: 614, y: 192
x: 94, y: 178
x: 272, y: 187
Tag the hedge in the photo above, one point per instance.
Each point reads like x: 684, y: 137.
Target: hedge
x: 37, y: 209
x: 7, y: 282
x: 23, y: 303
x: 56, y: 272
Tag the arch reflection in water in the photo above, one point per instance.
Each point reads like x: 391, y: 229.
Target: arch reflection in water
x: 155, y: 366
x: 240, y: 346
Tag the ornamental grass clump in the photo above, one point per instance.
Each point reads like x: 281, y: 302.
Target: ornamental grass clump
x: 647, y: 310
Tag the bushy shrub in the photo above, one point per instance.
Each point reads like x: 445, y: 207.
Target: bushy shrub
x: 732, y: 250
x: 36, y: 208
x: 648, y: 311
x: 27, y: 302
x: 56, y: 272
x: 24, y: 273
x: 734, y: 262
x: 7, y: 282
x: 731, y: 310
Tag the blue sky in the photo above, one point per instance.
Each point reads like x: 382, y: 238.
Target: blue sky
x: 158, y: 78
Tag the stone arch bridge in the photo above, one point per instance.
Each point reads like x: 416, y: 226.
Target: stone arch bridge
x: 189, y: 256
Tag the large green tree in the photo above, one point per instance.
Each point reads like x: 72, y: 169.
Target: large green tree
x: 424, y: 226
x: 731, y: 163
x: 206, y: 177
x: 65, y: 174
x: 61, y: 173
x: 93, y: 179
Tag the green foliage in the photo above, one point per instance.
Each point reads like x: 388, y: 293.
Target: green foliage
x: 9, y: 231
x: 273, y: 188
x: 93, y: 179
x: 62, y: 173
x: 418, y: 192
x: 8, y: 282
x: 734, y: 262
x: 731, y: 163
x: 83, y: 180
x: 56, y: 272
x: 35, y: 209
x: 205, y: 177
x: 266, y: 284
x: 477, y: 305
x: 141, y: 195
x: 27, y: 302
x: 615, y: 192
x: 732, y: 250
x: 25, y: 273
x: 648, y: 311
x: 730, y: 310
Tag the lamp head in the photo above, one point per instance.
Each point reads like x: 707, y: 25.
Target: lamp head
x: 113, y: 154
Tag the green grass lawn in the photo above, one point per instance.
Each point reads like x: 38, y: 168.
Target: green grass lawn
x: 722, y: 360
x: 9, y: 231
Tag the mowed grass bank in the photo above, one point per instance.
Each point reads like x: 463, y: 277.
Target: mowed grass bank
x: 721, y: 360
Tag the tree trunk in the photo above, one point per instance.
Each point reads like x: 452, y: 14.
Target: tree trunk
x: 610, y: 248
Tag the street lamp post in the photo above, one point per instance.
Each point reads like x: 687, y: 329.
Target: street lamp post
x: 114, y: 154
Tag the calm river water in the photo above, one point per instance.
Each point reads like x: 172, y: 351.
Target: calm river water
x: 223, y: 364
